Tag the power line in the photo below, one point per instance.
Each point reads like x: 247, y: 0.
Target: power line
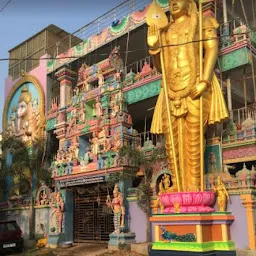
x: 125, y: 52
x: 6, y: 5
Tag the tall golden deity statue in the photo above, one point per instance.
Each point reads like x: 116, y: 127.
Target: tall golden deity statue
x: 194, y: 96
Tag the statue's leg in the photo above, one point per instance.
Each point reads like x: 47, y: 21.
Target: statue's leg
x: 192, y: 141
x: 169, y: 151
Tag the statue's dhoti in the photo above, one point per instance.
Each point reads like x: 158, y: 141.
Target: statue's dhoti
x: 185, y: 118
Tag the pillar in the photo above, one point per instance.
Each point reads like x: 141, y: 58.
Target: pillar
x: 225, y: 13
x: 123, y: 186
x: 65, y: 76
x: 229, y: 98
x: 68, y: 220
x: 199, y: 233
x: 249, y: 203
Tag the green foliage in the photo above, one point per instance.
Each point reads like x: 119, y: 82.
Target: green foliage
x: 25, y: 160
x: 136, y: 159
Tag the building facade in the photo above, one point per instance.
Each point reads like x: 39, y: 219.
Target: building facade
x: 104, y: 99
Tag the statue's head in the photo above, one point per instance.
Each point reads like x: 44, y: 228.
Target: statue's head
x: 219, y: 180
x: 116, y: 191
x: 24, y: 100
x: 179, y: 8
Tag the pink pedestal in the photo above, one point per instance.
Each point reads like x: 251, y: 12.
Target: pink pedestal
x: 188, y: 202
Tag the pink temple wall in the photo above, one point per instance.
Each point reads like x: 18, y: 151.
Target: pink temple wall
x: 39, y: 72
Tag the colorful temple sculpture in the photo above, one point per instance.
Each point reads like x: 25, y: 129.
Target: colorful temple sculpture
x: 172, y: 77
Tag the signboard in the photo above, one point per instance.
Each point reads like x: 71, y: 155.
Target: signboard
x: 80, y: 181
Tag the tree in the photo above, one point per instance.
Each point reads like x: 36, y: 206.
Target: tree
x: 134, y: 159
x: 27, y: 163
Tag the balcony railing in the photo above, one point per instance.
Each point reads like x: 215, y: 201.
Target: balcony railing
x: 234, y: 31
x: 110, y: 18
x: 242, y: 114
x: 148, y: 139
x: 137, y: 66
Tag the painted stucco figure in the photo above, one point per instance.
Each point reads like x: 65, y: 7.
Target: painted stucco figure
x: 222, y: 195
x: 57, y: 205
x: 117, y: 206
x: 25, y: 121
x: 180, y: 60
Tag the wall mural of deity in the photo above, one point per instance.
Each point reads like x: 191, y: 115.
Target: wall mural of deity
x: 24, y: 111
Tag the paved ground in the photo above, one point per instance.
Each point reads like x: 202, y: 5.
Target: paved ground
x: 76, y: 250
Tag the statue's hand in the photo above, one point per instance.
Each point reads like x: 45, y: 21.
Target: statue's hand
x: 197, y: 91
x: 153, y: 37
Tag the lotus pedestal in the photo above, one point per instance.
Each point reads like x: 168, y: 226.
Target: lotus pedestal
x: 189, y: 226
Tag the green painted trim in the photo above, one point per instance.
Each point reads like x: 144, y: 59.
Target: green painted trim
x: 50, y: 124
x: 237, y: 144
x: 143, y: 92
x: 132, y: 199
x: 163, y: 3
x: 195, y: 247
x: 234, y: 59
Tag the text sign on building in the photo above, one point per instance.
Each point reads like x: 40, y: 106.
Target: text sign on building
x: 80, y: 181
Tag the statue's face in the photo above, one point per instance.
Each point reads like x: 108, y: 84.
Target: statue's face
x: 22, y: 109
x: 179, y: 8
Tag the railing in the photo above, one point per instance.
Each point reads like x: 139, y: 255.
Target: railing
x: 138, y: 65
x: 110, y: 18
x: 241, y: 114
x: 147, y: 137
x: 230, y: 34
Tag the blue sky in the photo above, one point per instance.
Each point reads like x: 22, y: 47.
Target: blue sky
x: 23, y: 18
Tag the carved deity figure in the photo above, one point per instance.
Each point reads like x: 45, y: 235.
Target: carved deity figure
x: 180, y: 60
x: 98, y: 108
x: 117, y: 206
x: 117, y: 143
x: 165, y: 184
x: 81, y: 73
x: 44, y: 198
x: 82, y: 113
x: 72, y: 122
x: 57, y: 205
x: 23, y: 128
x: 95, y: 144
x: 222, y: 195
x: 100, y: 78
x: 25, y: 121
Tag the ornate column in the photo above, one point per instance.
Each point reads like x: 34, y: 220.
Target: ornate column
x: 65, y: 76
x: 248, y: 201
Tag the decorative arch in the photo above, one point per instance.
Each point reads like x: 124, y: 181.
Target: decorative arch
x: 26, y: 78
x: 155, y: 178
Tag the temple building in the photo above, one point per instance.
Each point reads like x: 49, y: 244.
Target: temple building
x: 98, y: 96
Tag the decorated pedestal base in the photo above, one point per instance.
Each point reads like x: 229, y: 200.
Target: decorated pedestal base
x: 190, y: 227
x: 118, y: 239
x: 54, y: 240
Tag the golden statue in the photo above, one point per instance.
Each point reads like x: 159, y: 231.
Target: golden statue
x: 222, y: 195
x: 192, y: 91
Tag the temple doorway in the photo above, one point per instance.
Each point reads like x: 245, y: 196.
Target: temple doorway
x: 93, y: 220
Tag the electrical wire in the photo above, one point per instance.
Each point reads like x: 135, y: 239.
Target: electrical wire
x: 5, y: 5
x: 125, y: 52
